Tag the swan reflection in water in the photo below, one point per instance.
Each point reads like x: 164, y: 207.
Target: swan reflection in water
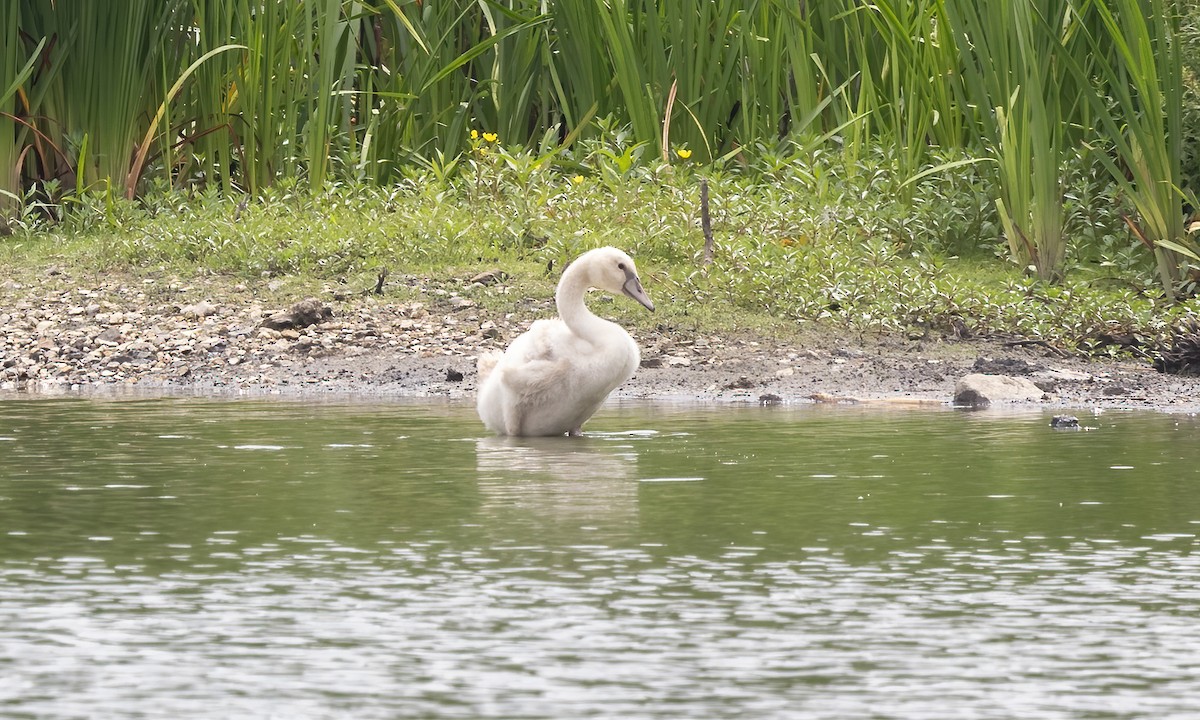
x: 561, y: 478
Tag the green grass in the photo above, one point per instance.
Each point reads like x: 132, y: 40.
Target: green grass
x: 817, y: 246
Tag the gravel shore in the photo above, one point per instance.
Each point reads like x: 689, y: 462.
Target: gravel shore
x: 60, y: 333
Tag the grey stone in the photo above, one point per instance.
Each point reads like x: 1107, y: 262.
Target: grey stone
x: 109, y: 336
x: 977, y: 390
x: 201, y: 309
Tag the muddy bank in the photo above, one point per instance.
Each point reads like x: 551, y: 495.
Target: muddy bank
x: 60, y: 333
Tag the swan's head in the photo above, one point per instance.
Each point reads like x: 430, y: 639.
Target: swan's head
x: 610, y: 269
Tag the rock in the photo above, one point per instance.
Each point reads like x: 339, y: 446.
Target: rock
x: 198, y: 310
x: 742, y: 383
x: 678, y: 361
x: 1004, y: 366
x: 1048, y: 386
x: 110, y: 336
x: 301, y: 315
x: 1064, y: 422
x: 453, y: 375
x: 488, y: 277
x: 769, y: 399
x: 652, y: 362
x: 977, y: 390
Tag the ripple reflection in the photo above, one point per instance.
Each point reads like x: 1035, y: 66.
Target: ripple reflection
x: 382, y: 562
x: 562, y: 480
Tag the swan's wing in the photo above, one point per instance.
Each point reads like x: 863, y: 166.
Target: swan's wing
x: 533, y: 366
x: 536, y: 378
x: 538, y: 344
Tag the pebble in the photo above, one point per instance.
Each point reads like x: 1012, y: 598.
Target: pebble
x: 201, y: 309
x: 72, y: 332
x: 105, y: 333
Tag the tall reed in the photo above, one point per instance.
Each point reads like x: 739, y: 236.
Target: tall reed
x: 1009, y: 54
x: 916, y: 65
x: 13, y: 72
x: 241, y: 94
x: 110, y: 80
x: 1138, y: 55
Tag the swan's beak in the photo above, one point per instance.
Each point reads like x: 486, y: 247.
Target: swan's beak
x: 633, y: 288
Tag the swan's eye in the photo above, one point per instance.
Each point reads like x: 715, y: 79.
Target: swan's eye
x: 620, y: 266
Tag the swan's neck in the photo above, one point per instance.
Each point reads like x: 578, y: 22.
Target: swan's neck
x: 569, y: 298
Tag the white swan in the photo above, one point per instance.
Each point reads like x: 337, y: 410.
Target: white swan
x: 557, y: 374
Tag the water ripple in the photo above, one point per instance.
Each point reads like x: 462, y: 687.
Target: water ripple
x: 843, y: 566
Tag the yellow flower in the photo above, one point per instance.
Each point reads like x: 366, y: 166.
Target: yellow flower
x: 577, y: 179
x: 683, y: 153
x: 474, y: 134
x: 491, y: 137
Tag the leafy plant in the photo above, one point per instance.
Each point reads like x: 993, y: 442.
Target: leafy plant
x: 1139, y: 58
x: 1015, y: 74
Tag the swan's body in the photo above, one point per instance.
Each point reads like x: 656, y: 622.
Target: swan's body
x: 558, y: 373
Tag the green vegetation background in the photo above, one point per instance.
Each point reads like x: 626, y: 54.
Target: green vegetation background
x: 935, y: 165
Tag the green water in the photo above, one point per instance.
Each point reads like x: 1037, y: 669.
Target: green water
x: 195, y: 558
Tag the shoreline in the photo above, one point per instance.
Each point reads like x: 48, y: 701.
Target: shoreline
x: 163, y: 335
